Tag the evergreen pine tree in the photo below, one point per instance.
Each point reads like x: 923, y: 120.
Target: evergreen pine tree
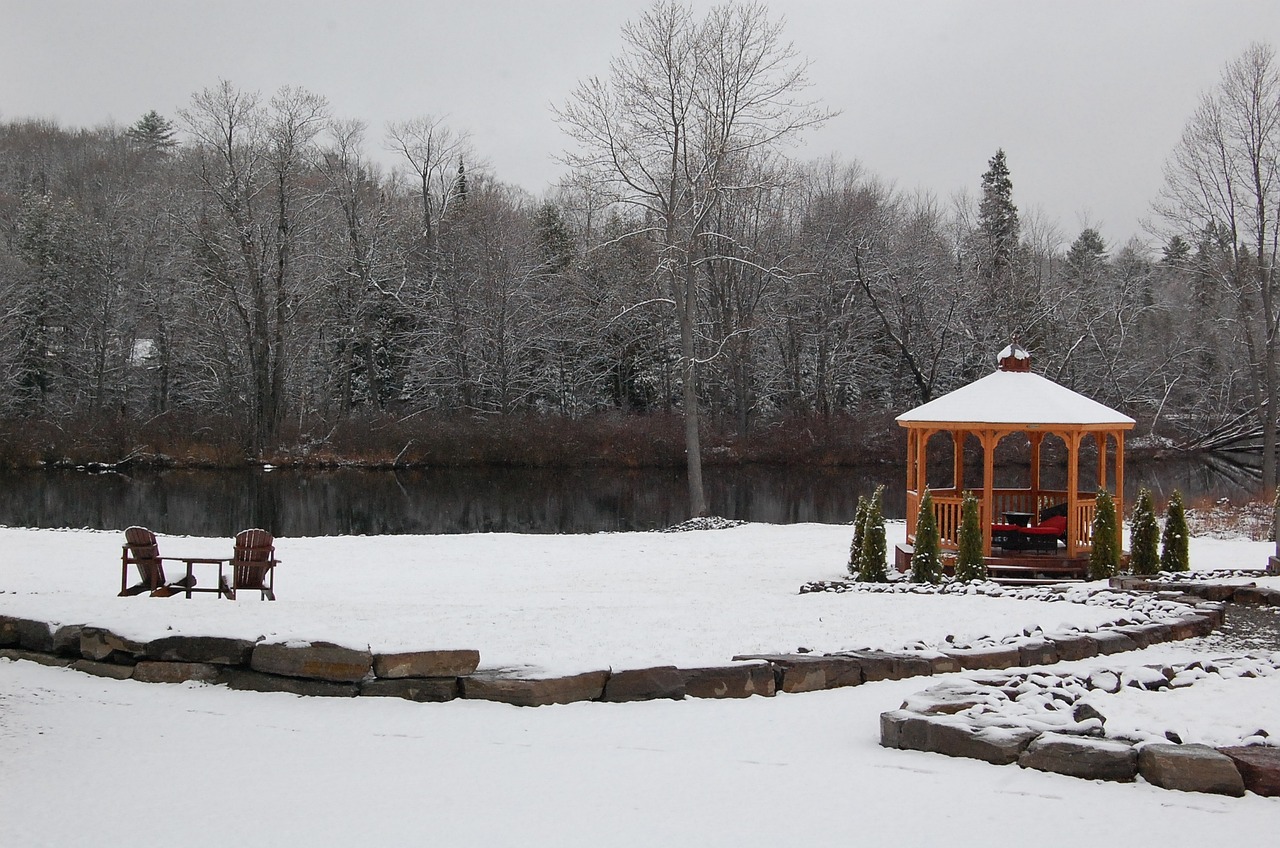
x: 1174, y: 554
x: 1087, y: 255
x: 859, y: 527
x: 460, y: 184
x: 926, y: 560
x: 871, y: 568
x: 153, y: 132
x: 998, y: 217
x: 970, y: 564
x: 1104, y: 559
x: 1144, y: 536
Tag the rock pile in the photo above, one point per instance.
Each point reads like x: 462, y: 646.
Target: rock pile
x: 1041, y: 720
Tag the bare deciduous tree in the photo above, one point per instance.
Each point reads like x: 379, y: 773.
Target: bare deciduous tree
x: 671, y: 129
x: 1224, y: 176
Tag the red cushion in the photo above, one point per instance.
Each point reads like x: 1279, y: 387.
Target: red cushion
x: 1006, y: 528
x: 1057, y: 523
x: 1040, y: 531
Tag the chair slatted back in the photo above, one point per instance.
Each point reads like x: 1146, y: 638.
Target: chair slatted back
x: 255, y: 550
x: 142, y: 550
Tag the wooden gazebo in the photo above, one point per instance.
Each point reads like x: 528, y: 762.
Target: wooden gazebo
x: 1012, y: 401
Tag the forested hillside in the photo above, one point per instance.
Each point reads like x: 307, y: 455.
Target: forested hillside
x: 258, y: 277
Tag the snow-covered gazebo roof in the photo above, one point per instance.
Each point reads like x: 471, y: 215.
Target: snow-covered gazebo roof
x: 1015, y: 397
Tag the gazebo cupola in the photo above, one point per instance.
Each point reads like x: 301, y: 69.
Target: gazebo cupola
x: 1014, y: 401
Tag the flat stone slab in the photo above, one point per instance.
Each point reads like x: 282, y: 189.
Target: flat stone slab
x: 1071, y: 647
x: 1146, y: 635
x: 35, y: 657
x: 219, y: 650
x: 98, y: 643
x: 644, y: 684
x: 1113, y: 642
x: 421, y: 689
x: 904, y: 729
x: 453, y: 663
x: 1256, y: 595
x: 943, y: 701
x: 939, y: 662
x: 103, y: 669
x: 809, y: 673
x: 1190, y: 768
x: 253, y: 681
x: 157, y: 671
x: 1041, y: 652
x: 973, y: 659
x: 527, y: 691
x: 9, y: 636
x: 1081, y: 756
x: 314, y: 661
x: 66, y: 640
x: 26, y: 633
x: 1259, y: 767
x: 997, y: 745
x: 1184, y: 628
x: 730, y: 681
x: 882, y: 665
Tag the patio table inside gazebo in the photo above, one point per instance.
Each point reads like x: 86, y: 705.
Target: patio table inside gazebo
x: 1009, y: 402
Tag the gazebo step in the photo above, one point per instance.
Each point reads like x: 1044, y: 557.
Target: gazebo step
x: 1046, y: 568
x: 1033, y: 581
x: 1026, y: 573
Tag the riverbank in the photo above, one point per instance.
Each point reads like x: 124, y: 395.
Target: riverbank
x: 612, y: 439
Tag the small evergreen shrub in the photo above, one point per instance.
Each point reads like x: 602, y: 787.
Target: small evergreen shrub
x: 926, y: 560
x: 970, y: 564
x: 1174, y: 553
x: 874, y: 550
x: 1104, y: 559
x: 1144, y: 536
x: 859, y: 526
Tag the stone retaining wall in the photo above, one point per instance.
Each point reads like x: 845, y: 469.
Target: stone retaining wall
x: 1247, y: 593
x: 325, y: 669
x: 1039, y: 720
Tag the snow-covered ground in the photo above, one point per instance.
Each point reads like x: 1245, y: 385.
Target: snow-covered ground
x: 87, y: 761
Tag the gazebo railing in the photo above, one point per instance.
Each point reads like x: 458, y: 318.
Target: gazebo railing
x: 947, y: 510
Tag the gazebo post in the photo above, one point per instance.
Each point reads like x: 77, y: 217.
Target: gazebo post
x: 1119, y: 434
x: 911, y: 474
x: 989, y: 440
x: 1036, y: 438
x: 1073, y: 490
x: 1104, y: 444
x: 957, y: 473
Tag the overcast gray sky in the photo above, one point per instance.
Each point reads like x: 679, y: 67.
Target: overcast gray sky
x: 1087, y: 98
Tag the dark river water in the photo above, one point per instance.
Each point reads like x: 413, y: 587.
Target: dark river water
x: 351, y: 501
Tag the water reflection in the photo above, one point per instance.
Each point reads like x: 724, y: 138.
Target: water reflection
x: 317, y: 503
x: 351, y: 501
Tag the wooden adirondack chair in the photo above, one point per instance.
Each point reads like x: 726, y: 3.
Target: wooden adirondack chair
x: 141, y: 549
x: 253, y: 566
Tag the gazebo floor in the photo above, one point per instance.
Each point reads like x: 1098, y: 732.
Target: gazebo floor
x: 1015, y: 568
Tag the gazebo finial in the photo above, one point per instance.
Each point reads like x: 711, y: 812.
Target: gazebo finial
x: 1014, y: 357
